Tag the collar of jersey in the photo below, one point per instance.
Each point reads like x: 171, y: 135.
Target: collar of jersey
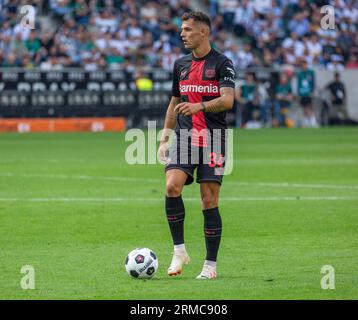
x: 202, y: 58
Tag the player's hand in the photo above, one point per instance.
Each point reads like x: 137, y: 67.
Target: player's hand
x: 163, y: 153
x: 187, y: 108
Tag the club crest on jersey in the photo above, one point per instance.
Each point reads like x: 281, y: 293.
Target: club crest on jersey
x: 210, y: 73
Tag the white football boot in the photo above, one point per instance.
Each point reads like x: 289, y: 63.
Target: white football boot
x: 208, y: 272
x: 179, y: 259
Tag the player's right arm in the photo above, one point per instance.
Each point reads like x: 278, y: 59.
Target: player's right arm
x: 169, y: 126
x: 170, y: 117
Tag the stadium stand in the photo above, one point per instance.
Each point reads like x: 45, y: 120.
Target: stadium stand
x: 131, y: 34
x: 138, y: 36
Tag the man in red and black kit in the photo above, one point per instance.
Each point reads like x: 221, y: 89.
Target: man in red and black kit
x: 203, y: 90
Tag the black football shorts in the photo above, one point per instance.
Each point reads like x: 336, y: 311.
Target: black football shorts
x: 208, y: 161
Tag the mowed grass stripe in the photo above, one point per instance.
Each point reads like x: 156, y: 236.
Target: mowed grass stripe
x: 136, y: 180
x: 134, y: 200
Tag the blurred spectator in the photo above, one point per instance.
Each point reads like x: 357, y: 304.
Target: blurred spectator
x: 294, y: 42
x: 46, y: 40
x: 299, y: 24
x: 51, y: 63
x: 283, y: 99
x: 336, y: 63
x: 10, y: 61
x: 60, y: 8
x: 243, y: 15
x: 313, y: 45
x: 352, y: 62
x: 227, y: 8
x: 337, y: 109
x: 27, y: 62
x: 33, y: 44
x: 305, y: 90
x: 248, y: 98
x: 114, y: 59
x: 213, y: 7
x: 105, y: 21
x: 244, y: 57
x: 264, y: 102
x: 6, y: 46
x: 18, y: 46
x: 143, y: 83
x: 81, y: 12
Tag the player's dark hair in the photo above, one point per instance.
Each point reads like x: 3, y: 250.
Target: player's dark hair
x: 197, y: 16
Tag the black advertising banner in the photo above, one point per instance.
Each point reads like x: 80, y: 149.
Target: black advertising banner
x: 73, y: 93
x: 79, y: 93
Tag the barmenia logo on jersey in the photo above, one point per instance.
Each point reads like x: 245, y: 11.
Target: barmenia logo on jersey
x: 186, y: 88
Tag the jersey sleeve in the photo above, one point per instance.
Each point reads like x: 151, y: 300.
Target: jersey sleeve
x: 175, y: 86
x: 227, y: 74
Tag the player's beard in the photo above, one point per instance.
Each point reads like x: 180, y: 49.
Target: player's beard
x: 186, y: 45
x: 190, y: 47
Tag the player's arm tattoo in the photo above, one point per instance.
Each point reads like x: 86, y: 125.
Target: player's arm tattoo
x: 223, y: 103
x: 170, y: 119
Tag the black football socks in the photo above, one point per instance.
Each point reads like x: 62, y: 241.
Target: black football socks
x: 175, y: 211
x: 212, y: 232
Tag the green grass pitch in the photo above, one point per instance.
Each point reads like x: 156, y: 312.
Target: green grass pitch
x: 72, y: 208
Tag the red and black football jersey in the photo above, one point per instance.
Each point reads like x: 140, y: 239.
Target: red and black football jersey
x: 200, y: 79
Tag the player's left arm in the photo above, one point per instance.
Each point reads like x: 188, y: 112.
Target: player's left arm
x: 224, y: 103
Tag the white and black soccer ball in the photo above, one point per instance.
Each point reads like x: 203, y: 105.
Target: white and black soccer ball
x: 141, y: 263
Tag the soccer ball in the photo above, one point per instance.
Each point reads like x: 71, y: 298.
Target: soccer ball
x: 141, y: 263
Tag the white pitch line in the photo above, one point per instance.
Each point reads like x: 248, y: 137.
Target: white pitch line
x: 295, y: 161
x: 133, y: 179
x: 288, y: 198
x: 78, y: 177
x: 292, y: 185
